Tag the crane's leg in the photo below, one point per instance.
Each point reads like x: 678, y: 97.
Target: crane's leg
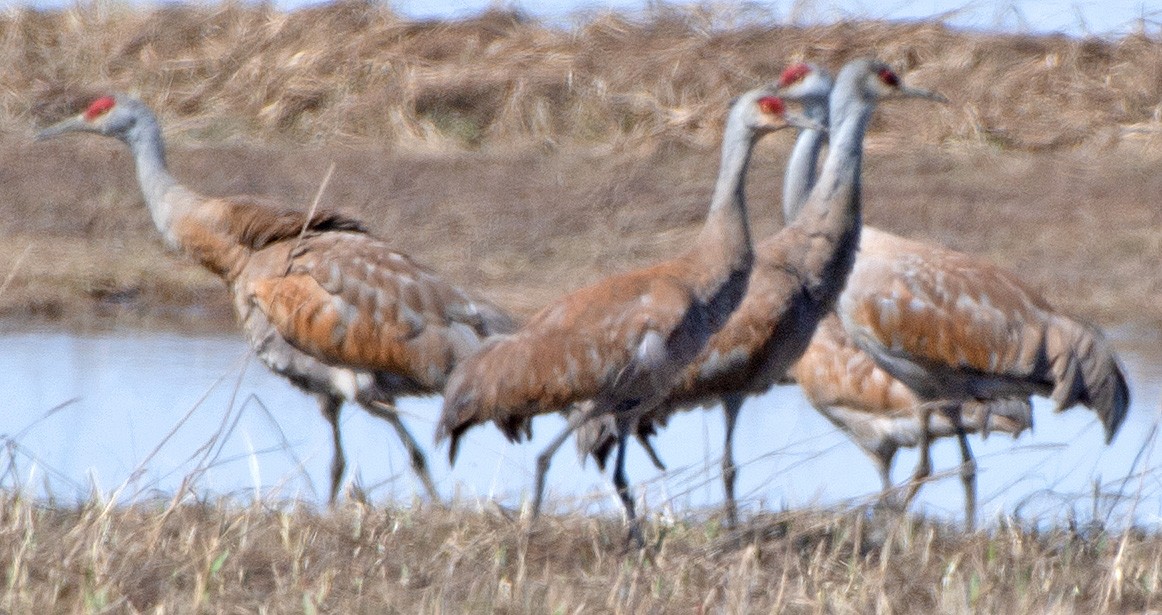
x: 576, y: 419
x: 419, y: 463
x: 967, y: 470
x: 622, y: 485
x: 650, y: 452
x: 883, y: 460
x: 924, y: 466
x: 330, y: 407
x: 731, y: 404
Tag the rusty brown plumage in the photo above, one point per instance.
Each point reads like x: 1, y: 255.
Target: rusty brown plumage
x: 798, y: 272
x: 949, y: 344
x: 322, y: 302
x: 960, y: 327
x: 620, y: 343
x: 620, y: 336
x: 959, y: 331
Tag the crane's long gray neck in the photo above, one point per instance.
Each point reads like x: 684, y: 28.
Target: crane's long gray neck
x: 830, y: 222
x: 837, y: 193
x: 145, y: 140
x: 802, y: 165
x: 727, y: 221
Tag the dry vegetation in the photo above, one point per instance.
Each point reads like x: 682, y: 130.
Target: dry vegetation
x: 163, y: 557
x: 525, y: 159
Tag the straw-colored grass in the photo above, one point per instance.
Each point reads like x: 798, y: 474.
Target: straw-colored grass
x: 225, y: 558
x: 355, y: 71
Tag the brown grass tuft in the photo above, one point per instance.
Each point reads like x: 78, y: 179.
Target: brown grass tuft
x: 214, y: 555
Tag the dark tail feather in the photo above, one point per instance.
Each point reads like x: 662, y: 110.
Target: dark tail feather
x: 1086, y: 371
x: 455, y: 417
x: 598, y: 439
x: 594, y: 438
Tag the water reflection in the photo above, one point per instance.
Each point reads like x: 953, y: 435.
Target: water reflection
x: 135, y: 413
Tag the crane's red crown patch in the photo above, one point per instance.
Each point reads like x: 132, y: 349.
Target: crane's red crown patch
x: 794, y: 73
x: 772, y: 105
x: 99, y: 106
x: 889, y: 77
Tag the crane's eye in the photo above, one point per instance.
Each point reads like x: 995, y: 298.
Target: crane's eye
x: 772, y: 105
x: 889, y: 78
x: 793, y: 74
x: 99, y: 107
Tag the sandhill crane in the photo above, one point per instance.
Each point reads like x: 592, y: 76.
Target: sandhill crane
x: 322, y: 302
x: 957, y: 331
x: 622, y: 341
x: 793, y: 284
x: 927, y: 329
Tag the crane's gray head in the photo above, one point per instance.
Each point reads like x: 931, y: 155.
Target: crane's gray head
x: 761, y: 112
x: 875, y: 81
x: 114, y: 115
x: 810, y: 85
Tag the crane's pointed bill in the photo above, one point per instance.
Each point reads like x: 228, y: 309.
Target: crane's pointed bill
x: 71, y: 124
x: 911, y: 92
x: 802, y: 122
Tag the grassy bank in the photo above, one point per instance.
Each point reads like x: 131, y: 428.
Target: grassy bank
x: 220, y: 557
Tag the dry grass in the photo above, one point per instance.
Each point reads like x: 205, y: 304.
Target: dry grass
x: 354, y: 71
x: 221, y: 557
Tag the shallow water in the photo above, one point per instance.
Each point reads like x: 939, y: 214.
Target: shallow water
x: 135, y: 414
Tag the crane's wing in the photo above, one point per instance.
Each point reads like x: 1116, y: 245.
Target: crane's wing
x: 614, y: 340
x: 848, y: 386
x: 940, y: 308
x: 348, y: 299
